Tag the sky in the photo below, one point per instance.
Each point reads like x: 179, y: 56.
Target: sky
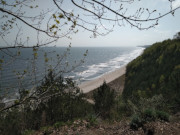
x: 121, y: 36
x: 127, y: 36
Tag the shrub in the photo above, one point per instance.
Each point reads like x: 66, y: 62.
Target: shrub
x: 104, y: 99
x: 46, y: 130
x: 61, y: 102
x: 136, y: 122
x: 149, y: 115
x: 162, y: 115
x: 122, y: 107
x: 92, y: 119
x: 11, y: 122
x: 28, y: 132
x: 59, y: 124
x: 147, y: 110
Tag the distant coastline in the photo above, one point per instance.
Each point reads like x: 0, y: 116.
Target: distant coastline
x: 144, y: 46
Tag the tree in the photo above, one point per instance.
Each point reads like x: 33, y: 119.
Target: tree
x: 104, y: 99
x: 50, y: 26
x: 177, y: 36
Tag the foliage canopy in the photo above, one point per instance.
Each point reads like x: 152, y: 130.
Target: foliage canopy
x: 156, y: 71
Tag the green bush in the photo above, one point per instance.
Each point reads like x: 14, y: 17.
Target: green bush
x: 59, y: 124
x: 122, y: 108
x: 11, y: 122
x: 162, y: 115
x: 92, y: 119
x: 149, y: 115
x: 61, y: 102
x: 104, y: 99
x: 147, y: 110
x: 46, y: 130
x: 28, y: 132
x: 136, y: 122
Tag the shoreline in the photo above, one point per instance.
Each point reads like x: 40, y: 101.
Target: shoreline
x: 91, y: 85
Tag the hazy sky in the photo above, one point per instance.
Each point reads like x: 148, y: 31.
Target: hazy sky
x: 127, y: 36
x: 121, y: 36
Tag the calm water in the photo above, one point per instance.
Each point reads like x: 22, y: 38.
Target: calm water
x: 98, y: 61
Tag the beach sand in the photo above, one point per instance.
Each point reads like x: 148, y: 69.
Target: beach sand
x: 111, y: 78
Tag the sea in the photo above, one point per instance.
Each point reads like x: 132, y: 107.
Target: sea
x: 25, y: 68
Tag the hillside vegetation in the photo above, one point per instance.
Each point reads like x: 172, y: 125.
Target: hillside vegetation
x: 156, y: 71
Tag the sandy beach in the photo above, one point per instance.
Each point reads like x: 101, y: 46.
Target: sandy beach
x: 108, y: 77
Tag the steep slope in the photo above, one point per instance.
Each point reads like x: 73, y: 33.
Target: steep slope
x: 156, y: 71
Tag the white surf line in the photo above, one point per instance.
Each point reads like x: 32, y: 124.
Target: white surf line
x: 108, y: 77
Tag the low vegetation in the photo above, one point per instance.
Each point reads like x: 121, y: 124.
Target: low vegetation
x: 62, y: 103
x: 147, y: 110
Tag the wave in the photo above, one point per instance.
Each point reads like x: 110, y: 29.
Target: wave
x: 96, y: 70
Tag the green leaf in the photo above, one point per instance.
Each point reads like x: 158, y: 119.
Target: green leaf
x: 16, y: 101
x: 34, y: 49
x: 3, y: 2
x: 72, y: 14
x: 46, y: 59
x: 61, y: 16
x: 19, y: 53
x: 54, y: 16
x: 35, y: 54
x: 58, y: 21
x: 1, y: 61
x: 74, y: 23
x: 69, y: 19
